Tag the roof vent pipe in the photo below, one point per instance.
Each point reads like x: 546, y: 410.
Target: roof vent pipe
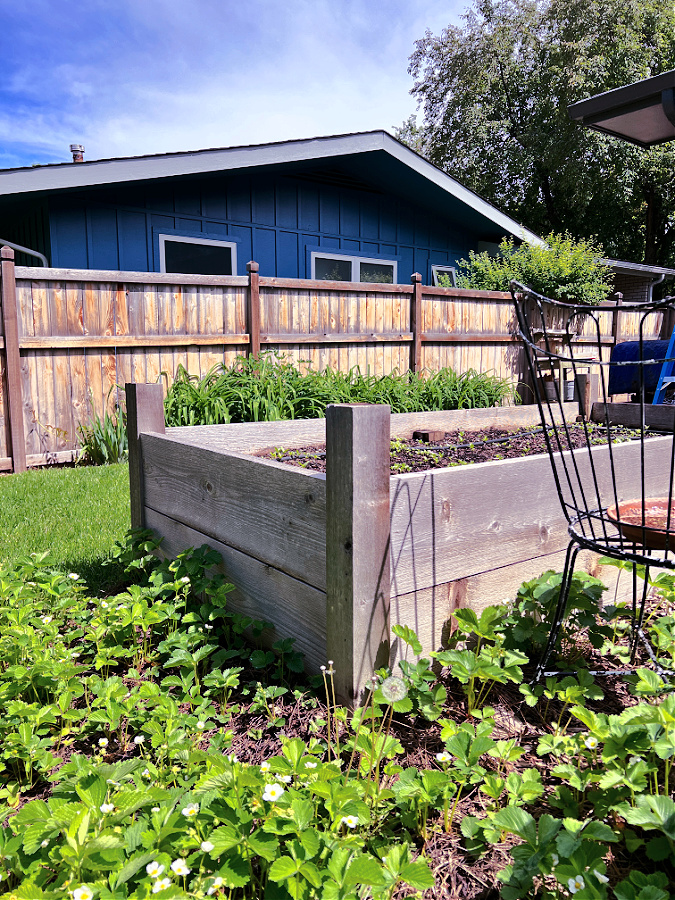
x: 78, y: 152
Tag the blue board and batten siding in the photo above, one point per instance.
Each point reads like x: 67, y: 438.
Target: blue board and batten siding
x: 275, y: 220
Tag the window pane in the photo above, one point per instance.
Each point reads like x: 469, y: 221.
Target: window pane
x: 444, y: 276
x: 380, y: 273
x: 197, y: 259
x: 332, y: 269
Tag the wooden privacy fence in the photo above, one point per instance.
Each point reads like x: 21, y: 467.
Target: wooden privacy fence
x: 70, y: 339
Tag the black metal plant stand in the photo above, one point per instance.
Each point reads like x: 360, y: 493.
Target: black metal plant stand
x: 611, y: 509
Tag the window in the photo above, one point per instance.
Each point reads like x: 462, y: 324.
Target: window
x: 197, y: 255
x: 337, y: 267
x: 446, y: 272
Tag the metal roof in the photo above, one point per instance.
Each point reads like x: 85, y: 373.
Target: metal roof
x: 69, y: 175
x: 631, y: 268
x: 642, y: 113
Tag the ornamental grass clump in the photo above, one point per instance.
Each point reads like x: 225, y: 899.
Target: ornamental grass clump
x: 268, y: 389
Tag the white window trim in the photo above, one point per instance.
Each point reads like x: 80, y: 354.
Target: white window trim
x: 355, y: 260
x: 443, y: 270
x: 180, y: 239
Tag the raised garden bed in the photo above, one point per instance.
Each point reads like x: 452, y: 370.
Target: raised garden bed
x: 440, y: 449
x: 335, y: 559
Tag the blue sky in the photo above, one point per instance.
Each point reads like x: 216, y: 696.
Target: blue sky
x: 153, y: 76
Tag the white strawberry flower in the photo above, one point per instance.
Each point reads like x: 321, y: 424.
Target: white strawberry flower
x: 191, y: 810
x: 350, y: 821
x: 154, y: 869
x: 272, y: 792
x: 179, y: 867
x: 84, y: 892
x: 206, y: 846
x: 161, y: 885
x: 576, y: 884
x: 107, y: 808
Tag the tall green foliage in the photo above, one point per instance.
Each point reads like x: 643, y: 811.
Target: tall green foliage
x: 567, y: 270
x: 268, y: 389
x: 494, y: 93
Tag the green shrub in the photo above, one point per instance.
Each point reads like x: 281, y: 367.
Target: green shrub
x: 566, y: 270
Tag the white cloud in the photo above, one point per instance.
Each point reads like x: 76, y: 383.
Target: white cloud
x: 162, y: 75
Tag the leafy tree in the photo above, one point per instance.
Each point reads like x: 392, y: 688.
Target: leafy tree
x: 494, y: 94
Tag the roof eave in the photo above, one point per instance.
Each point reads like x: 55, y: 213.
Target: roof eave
x: 99, y: 173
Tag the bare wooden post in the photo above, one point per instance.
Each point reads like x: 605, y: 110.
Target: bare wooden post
x: 358, y: 576
x: 615, y: 319
x: 416, y: 323
x: 13, y: 362
x: 145, y: 413
x: 253, y: 310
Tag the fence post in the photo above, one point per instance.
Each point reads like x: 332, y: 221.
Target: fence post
x: 253, y: 307
x: 358, y: 576
x: 13, y: 362
x: 145, y: 413
x: 615, y: 319
x: 416, y: 323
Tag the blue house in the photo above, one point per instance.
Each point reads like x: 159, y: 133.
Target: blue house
x: 357, y: 207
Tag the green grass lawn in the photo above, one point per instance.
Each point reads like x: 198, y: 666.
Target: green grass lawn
x: 77, y: 513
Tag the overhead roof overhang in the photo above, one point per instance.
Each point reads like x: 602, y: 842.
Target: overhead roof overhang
x: 383, y: 159
x: 642, y: 113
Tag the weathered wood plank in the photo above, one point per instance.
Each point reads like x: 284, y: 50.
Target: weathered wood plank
x: 452, y: 523
x: 8, y: 300
x: 280, y: 517
x: 328, y: 338
x: 296, y: 609
x: 434, y: 337
x: 253, y: 307
x: 4, y: 424
x: 252, y: 437
x: 42, y: 459
x: 429, y: 611
x: 151, y: 326
x: 357, y: 544
x: 416, y: 324
x: 145, y: 413
x: 145, y: 278
x: 660, y: 417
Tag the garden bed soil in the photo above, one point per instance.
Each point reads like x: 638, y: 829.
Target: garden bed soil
x: 436, y: 449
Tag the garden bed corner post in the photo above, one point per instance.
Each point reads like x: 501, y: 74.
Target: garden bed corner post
x: 358, y: 575
x: 145, y: 413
